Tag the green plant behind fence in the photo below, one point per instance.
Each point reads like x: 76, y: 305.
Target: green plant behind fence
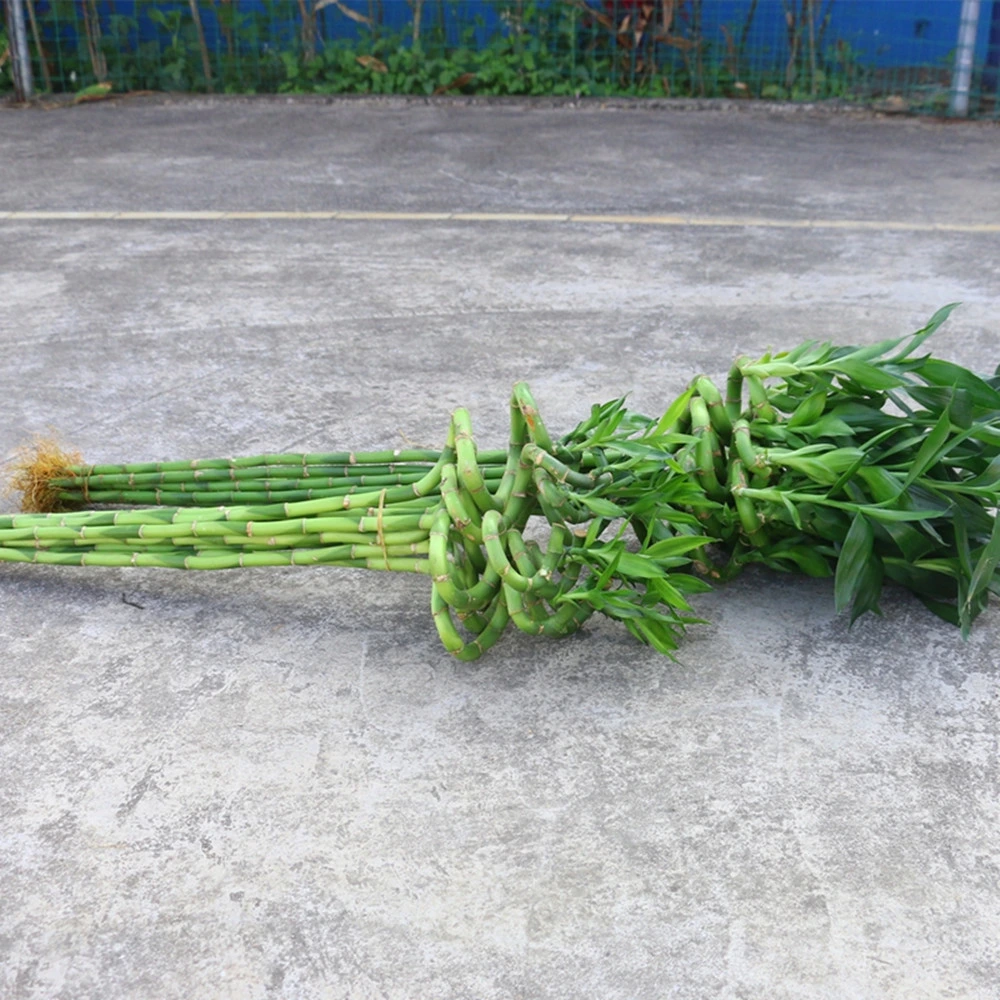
x: 640, y: 48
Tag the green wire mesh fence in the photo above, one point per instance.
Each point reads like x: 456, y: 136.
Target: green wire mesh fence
x: 903, y: 55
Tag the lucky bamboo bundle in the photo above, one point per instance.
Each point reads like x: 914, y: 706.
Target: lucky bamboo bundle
x: 857, y: 463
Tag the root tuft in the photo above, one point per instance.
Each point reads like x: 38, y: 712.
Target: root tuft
x: 36, y: 467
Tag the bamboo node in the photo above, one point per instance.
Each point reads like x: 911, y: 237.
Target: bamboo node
x: 380, y: 527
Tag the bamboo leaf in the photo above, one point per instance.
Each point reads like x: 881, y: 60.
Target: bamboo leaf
x: 804, y: 557
x: 869, y: 589
x: 600, y: 506
x: 826, y: 426
x: 675, y: 411
x: 631, y: 564
x: 773, y: 369
x: 873, y: 351
x: 809, y: 410
x: 689, y: 584
x: 867, y: 376
x: 947, y: 612
x: 807, y: 353
x: 951, y: 376
x: 888, y: 514
x: 986, y: 565
x: 669, y: 594
x: 965, y: 573
x: 925, y: 331
x: 935, y: 444
x: 677, y: 546
x: 852, y: 562
x: 793, y: 511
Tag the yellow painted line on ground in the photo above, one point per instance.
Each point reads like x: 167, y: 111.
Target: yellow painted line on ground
x: 631, y: 220
x: 166, y: 216
x: 393, y: 216
x: 254, y: 216
x: 508, y: 217
x: 33, y: 216
x: 572, y: 219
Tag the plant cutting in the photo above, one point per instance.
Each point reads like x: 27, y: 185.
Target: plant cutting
x: 859, y: 463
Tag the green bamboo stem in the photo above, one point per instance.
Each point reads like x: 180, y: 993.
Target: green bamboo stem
x: 496, y: 615
x: 717, y: 411
x: 453, y: 590
x: 316, y: 479
x: 734, y: 389
x: 321, y: 473
x: 216, y: 559
x: 246, y: 493
x: 512, y: 465
x: 761, y: 407
x: 466, y: 461
x: 536, y: 429
x: 562, y: 473
x: 337, y: 458
x: 467, y: 519
x: 556, y: 625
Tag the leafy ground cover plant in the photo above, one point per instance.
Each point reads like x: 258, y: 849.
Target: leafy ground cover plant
x: 641, y: 48
x: 859, y: 463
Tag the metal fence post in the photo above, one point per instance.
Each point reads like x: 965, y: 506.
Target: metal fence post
x: 20, y: 57
x: 962, y: 78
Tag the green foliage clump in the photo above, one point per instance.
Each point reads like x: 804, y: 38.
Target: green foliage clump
x: 564, y: 48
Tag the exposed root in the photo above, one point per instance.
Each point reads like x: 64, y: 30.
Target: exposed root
x: 35, y: 467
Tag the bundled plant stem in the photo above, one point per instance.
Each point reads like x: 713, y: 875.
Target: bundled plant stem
x: 858, y: 463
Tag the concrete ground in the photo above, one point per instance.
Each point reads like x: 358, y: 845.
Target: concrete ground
x: 275, y: 783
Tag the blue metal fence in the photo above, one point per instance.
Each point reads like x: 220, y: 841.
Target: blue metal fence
x: 851, y: 49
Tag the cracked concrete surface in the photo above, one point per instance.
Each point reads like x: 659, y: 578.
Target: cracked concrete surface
x: 275, y: 783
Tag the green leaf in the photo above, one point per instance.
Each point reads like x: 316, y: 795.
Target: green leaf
x: 807, y: 353
x: 986, y: 565
x: 988, y: 478
x: 669, y: 594
x: 888, y: 514
x: 912, y: 543
x: 867, y: 376
x: 875, y: 350
x: 638, y: 567
x: 961, y: 409
x: 810, y: 410
x: 793, y: 511
x: 848, y: 474
x: 948, y: 612
x: 965, y: 572
x: 852, y: 562
x: 689, y: 584
x: 675, y: 411
x: 637, y: 450
x: 600, y: 506
x: 925, y: 331
x: 951, y: 376
x: 934, y: 446
x: 885, y: 486
x: 661, y: 639
x: 677, y: 546
x: 773, y: 369
x: 826, y: 426
x: 610, y: 557
x: 804, y: 557
x: 869, y: 589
